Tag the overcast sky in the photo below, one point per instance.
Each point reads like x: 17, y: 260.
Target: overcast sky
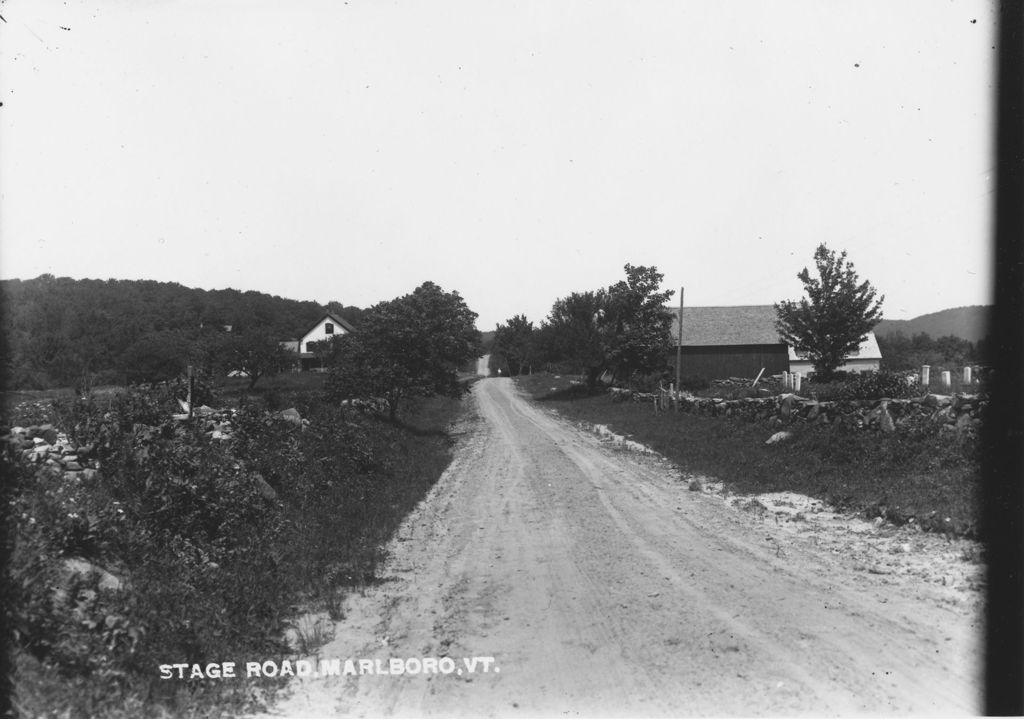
x: 512, y: 151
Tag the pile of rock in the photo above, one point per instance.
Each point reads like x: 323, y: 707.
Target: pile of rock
x: 746, y: 381
x: 44, y: 445
x: 216, y: 422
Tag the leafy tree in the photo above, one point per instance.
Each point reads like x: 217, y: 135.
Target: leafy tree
x: 636, y: 324
x: 323, y: 350
x: 254, y: 354
x: 835, y: 317
x: 155, y: 357
x: 514, y: 342
x: 408, y: 346
x: 624, y: 328
x: 573, y: 333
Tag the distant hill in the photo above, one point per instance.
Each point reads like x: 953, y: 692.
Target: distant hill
x: 969, y: 323
x: 58, y: 328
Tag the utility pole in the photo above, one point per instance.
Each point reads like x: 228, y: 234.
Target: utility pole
x: 679, y: 345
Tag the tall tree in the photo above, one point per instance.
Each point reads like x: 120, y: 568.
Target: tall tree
x: 254, y: 354
x: 636, y: 323
x: 624, y: 328
x: 573, y: 334
x: 411, y: 345
x: 514, y: 342
x: 836, y: 315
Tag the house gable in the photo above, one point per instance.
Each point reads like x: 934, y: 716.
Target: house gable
x: 328, y: 326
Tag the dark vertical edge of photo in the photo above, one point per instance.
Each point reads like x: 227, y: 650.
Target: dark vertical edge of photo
x: 7, y: 596
x: 1004, y: 462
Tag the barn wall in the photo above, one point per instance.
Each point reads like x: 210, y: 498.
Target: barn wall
x: 732, y: 361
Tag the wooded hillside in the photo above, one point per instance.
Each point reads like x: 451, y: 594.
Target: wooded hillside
x: 969, y: 323
x: 60, y: 329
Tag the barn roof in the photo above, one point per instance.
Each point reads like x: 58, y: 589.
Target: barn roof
x: 716, y: 326
x: 741, y: 325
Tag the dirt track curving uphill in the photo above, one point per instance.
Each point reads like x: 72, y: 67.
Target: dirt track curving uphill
x: 602, y: 586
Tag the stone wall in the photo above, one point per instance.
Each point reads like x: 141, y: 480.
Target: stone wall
x: 959, y: 413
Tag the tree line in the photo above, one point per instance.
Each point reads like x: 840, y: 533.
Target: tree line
x: 63, y: 332
x: 623, y: 331
x: 618, y: 332
x: 900, y: 352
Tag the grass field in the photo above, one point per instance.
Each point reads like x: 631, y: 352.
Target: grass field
x: 933, y: 480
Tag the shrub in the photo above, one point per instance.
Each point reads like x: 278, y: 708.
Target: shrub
x: 866, y: 385
x: 212, y: 562
x: 177, y: 517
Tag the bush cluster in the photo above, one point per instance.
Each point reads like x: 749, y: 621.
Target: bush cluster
x: 866, y: 385
x: 176, y: 518
x: 216, y: 542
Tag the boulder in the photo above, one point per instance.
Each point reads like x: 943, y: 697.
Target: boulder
x: 779, y: 437
x: 881, y: 417
x: 264, y: 488
x: 885, y: 421
x: 75, y: 568
x: 965, y: 421
x: 788, y: 403
x: 291, y: 414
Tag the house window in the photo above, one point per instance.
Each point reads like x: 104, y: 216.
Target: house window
x: 329, y: 328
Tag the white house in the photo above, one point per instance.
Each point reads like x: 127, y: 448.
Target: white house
x: 328, y: 326
x: 867, y: 357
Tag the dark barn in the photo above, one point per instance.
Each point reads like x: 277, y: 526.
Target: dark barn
x: 720, y: 342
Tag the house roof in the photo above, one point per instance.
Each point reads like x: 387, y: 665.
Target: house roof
x: 333, y: 318
x: 741, y: 325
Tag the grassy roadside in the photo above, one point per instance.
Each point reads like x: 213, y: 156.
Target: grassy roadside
x: 933, y: 481
x: 217, y: 570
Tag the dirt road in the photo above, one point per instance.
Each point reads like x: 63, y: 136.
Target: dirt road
x: 602, y: 586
